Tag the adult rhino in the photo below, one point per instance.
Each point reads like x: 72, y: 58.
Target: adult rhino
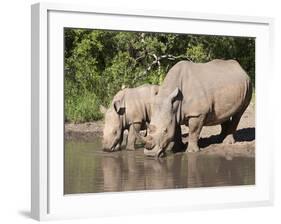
x: 197, y: 95
x: 130, y: 109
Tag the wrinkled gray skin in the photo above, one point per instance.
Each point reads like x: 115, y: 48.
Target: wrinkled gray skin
x: 197, y: 95
x: 130, y: 109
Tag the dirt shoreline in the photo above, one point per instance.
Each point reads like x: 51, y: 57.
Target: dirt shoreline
x: 244, y: 146
x: 88, y: 131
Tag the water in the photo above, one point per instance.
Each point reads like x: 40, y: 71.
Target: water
x: 88, y: 169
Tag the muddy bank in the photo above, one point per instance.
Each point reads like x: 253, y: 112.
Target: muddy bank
x: 209, y: 141
x: 88, y: 131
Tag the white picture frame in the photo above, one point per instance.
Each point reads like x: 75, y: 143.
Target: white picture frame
x: 48, y: 201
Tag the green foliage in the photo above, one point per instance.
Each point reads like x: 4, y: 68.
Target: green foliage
x: 99, y: 63
x: 82, y: 108
x: 197, y: 53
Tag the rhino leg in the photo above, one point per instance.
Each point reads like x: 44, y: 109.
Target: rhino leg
x: 224, y: 129
x: 179, y: 146
x: 226, y: 134
x: 195, y: 125
x: 132, y: 136
x: 229, y: 128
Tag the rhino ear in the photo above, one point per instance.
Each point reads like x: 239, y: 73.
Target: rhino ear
x: 119, y: 106
x: 102, y: 109
x: 175, y: 95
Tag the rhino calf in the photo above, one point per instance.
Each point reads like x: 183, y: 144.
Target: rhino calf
x: 130, y: 110
x: 197, y: 95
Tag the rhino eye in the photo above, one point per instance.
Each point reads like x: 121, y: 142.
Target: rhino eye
x: 165, y: 130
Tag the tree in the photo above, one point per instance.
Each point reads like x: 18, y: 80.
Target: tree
x: 99, y: 63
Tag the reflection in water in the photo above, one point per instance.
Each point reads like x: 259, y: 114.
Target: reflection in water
x: 88, y: 169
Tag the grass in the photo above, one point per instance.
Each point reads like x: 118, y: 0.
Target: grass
x: 82, y: 108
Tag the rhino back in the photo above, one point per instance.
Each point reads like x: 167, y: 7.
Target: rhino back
x: 218, y: 88
x: 138, y: 102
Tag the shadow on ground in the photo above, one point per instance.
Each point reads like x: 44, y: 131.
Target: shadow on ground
x: 241, y: 135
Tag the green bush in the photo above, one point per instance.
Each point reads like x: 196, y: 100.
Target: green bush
x: 82, y: 108
x: 99, y: 63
